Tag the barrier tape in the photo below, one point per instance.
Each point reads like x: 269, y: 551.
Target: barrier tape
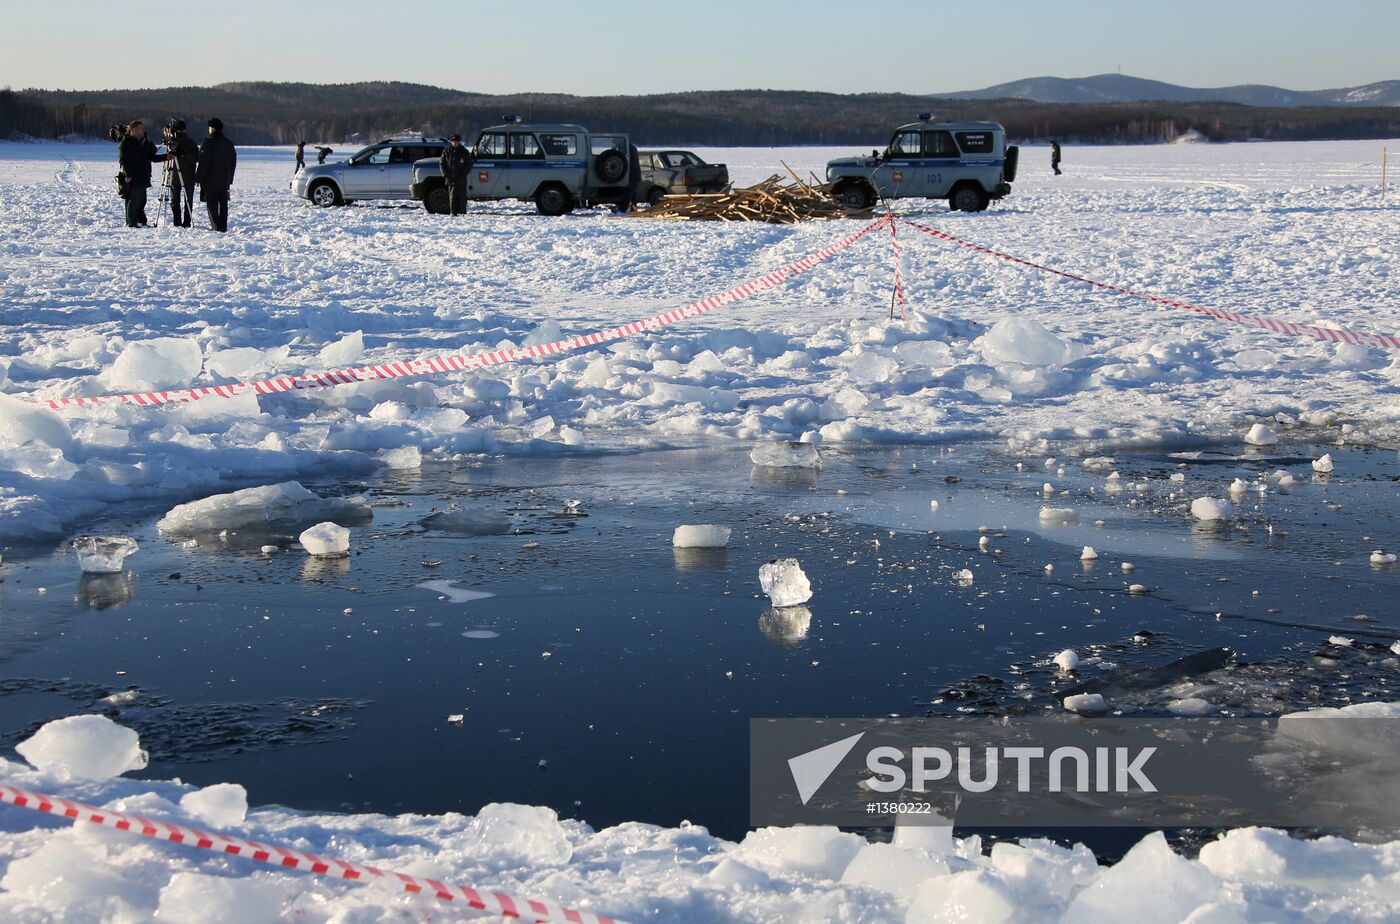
x: 1259, y: 321
x: 441, y: 364
x: 509, y: 906
x: 898, y: 294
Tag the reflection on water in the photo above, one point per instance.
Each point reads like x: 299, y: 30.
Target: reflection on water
x: 768, y: 476
x: 105, y: 591
x: 701, y: 559
x: 786, y: 625
x: 319, y: 568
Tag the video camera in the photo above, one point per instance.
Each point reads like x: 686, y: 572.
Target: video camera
x: 117, y: 132
x: 171, y: 131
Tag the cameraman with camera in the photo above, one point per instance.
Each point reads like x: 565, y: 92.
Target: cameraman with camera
x: 135, y: 154
x: 179, y: 171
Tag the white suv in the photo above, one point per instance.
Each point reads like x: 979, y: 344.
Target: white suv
x: 380, y: 171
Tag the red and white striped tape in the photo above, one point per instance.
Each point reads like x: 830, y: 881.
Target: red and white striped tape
x: 402, y: 369
x: 509, y: 906
x: 1259, y: 321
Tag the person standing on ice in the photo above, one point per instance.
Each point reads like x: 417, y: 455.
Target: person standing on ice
x: 217, y: 161
x: 301, y: 158
x: 135, y: 155
x: 456, y: 163
x: 1055, y: 157
x: 179, y: 179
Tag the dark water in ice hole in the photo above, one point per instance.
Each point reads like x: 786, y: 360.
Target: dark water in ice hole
x: 633, y: 669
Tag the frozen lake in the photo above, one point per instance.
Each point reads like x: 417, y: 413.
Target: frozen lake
x: 633, y: 668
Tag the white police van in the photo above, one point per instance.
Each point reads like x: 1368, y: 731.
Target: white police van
x: 556, y: 166
x: 967, y: 163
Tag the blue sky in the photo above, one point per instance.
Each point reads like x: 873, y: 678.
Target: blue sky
x: 625, y: 47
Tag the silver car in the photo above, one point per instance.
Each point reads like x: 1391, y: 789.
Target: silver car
x: 380, y: 171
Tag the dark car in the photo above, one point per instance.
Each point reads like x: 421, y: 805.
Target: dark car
x: 667, y: 172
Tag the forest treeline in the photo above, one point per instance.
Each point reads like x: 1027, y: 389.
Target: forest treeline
x: 283, y: 113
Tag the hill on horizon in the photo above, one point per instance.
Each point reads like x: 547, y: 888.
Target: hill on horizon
x: 1122, y: 88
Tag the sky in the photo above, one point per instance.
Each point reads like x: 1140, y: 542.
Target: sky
x: 590, y: 47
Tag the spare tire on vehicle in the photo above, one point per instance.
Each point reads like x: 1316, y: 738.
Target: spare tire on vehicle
x: 610, y: 167
x: 1013, y: 157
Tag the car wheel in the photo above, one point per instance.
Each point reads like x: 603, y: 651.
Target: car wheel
x: 656, y: 195
x: 324, y: 194
x: 968, y: 198
x: 438, y: 201
x: 610, y: 167
x: 855, y: 197
x: 553, y: 199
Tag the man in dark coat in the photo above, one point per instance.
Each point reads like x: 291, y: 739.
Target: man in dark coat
x: 322, y: 154
x: 134, y: 158
x: 1055, y: 157
x: 456, y: 164
x: 301, y: 157
x: 217, y: 162
x: 179, y: 175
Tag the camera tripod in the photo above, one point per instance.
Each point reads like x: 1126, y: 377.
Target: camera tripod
x: 170, y: 167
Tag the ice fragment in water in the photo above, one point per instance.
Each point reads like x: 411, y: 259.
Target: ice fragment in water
x: 326, y: 540
x: 1189, y: 706
x: 1089, y: 554
x: 1382, y: 557
x: 1211, y: 508
x: 274, y: 507
x: 784, y: 583
x: 1323, y: 466
x: 1067, y: 660
x: 469, y: 521
x: 964, y: 577
x: 786, y: 455
x: 83, y: 747
x: 103, y: 554
x: 1239, y: 486
x: 1340, y: 640
x: 402, y: 459
x: 1137, y: 588
x: 700, y: 537
x: 1261, y: 435
x: 1086, y: 704
x: 1058, y: 516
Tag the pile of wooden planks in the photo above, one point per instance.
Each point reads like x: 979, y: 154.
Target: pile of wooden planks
x: 774, y: 201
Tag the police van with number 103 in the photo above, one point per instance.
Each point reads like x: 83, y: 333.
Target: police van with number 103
x: 967, y: 163
x: 557, y: 167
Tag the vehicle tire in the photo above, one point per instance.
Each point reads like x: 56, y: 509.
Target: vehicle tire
x: 438, y: 201
x: 968, y: 198
x: 325, y: 194
x: 855, y: 197
x: 1008, y: 169
x: 656, y: 195
x: 610, y: 167
x: 552, y: 199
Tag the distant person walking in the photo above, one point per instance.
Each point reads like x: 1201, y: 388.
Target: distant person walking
x: 134, y: 158
x: 301, y: 158
x: 456, y: 164
x: 1055, y: 157
x: 179, y: 179
x: 217, y: 161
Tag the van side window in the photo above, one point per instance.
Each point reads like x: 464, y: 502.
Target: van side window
x: 559, y: 144
x: 975, y: 142
x: 905, y: 144
x: 491, y: 144
x: 939, y: 144
x: 524, y: 147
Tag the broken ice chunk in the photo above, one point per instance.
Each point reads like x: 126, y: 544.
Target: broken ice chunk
x: 1189, y: 706
x: 275, y: 507
x: 704, y: 536
x: 83, y: 747
x: 1086, y: 704
x: 964, y: 577
x: 1207, y: 509
x: 402, y: 459
x: 103, y: 554
x: 1382, y: 557
x: 222, y: 804
x: 469, y: 521
x: 1239, y: 486
x: 1340, y: 640
x: 1089, y: 554
x: 786, y: 455
x: 1323, y: 466
x: 784, y: 583
x: 1067, y: 660
x: 1058, y: 516
x: 326, y: 540
x: 1261, y: 435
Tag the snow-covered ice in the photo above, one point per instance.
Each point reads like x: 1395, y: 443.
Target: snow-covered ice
x: 223, y: 805
x: 103, y: 554
x: 1261, y: 435
x: 326, y: 540
x: 83, y: 747
x: 784, y: 582
x: 1067, y: 660
x: 703, y: 536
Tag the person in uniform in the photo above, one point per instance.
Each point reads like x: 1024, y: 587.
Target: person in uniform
x: 179, y: 176
x: 135, y: 155
x: 217, y: 161
x: 456, y: 165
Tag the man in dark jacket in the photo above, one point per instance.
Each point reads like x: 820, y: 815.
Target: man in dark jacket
x: 134, y: 157
x: 179, y: 175
x: 217, y: 162
x: 1055, y: 157
x: 301, y: 157
x: 456, y: 165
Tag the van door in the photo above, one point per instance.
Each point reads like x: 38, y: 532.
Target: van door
x: 901, y: 175
x: 939, y: 169
x: 488, y: 173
